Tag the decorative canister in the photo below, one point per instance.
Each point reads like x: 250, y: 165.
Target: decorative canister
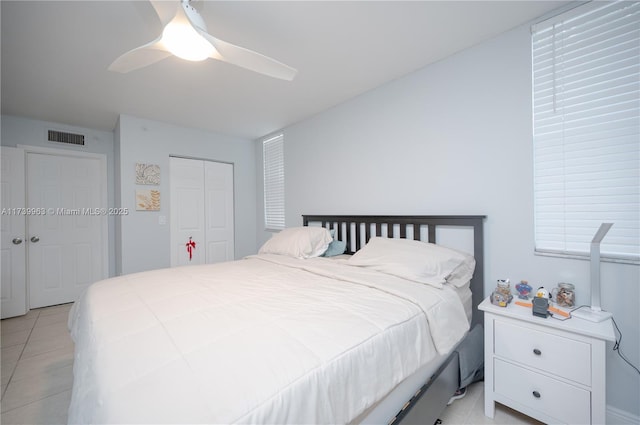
x: 524, y: 289
x: 502, y: 294
x: 564, y: 294
x: 499, y: 299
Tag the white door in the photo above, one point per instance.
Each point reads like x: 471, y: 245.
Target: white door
x: 186, y: 189
x: 66, y: 249
x: 13, y: 266
x: 219, y: 211
x: 201, y: 211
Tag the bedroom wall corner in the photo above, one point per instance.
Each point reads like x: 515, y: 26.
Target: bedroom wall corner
x: 144, y: 240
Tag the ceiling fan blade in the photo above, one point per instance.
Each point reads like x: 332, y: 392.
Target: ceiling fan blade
x: 140, y: 57
x: 249, y: 59
x: 237, y: 55
x: 166, y: 10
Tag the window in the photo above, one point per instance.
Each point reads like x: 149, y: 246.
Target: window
x: 273, y: 159
x: 586, y: 125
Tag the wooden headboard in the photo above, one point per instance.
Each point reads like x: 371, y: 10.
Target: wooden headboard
x: 356, y: 230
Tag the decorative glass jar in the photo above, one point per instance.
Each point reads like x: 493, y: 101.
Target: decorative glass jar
x: 564, y: 294
x: 524, y: 289
x: 499, y: 299
x: 502, y: 294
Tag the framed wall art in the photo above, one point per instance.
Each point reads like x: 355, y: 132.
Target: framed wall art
x: 147, y: 200
x: 147, y: 174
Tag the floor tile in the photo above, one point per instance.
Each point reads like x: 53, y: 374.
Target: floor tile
x: 10, y: 357
x: 51, y: 410
x: 459, y: 410
x: 8, y: 339
x: 453, y: 416
x: 43, y: 363
x: 25, y: 391
x: 49, y: 319
x: 44, y: 344
x: 469, y: 410
x: 12, y: 354
x: 37, y: 367
x: 50, y: 331
x: 17, y: 324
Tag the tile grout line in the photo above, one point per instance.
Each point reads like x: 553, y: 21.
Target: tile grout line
x: 35, y: 401
x: 20, y: 356
x: 38, y: 317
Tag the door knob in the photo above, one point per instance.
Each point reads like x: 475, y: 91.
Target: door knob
x: 34, y: 239
x: 17, y: 241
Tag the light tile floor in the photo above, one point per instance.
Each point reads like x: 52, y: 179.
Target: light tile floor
x: 37, y: 362
x: 469, y: 410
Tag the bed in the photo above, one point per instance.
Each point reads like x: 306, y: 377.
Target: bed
x: 274, y: 338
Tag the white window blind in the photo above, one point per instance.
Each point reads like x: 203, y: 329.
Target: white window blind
x: 586, y: 124
x: 273, y: 157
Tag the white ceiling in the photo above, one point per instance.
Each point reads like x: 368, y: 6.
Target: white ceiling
x: 55, y: 56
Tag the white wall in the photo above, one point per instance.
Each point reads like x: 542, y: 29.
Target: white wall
x: 144, y: 243
x: 24, y: 131
x: 452, y: 138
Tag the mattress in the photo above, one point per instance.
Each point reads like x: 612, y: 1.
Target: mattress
x: 267, y: 339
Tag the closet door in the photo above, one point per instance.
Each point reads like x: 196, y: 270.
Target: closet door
x: 201, y: 197
x: 219, y: 211
x: 187, y: 210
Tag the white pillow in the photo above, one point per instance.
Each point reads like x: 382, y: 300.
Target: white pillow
x: 417, y: 261
x: 298, y: 242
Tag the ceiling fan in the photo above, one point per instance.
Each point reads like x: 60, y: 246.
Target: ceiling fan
x: 185, y: 35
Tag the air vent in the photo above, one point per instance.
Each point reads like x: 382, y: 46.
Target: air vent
x: 63, y: 137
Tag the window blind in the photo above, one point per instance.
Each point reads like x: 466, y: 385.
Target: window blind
x: 586, y: 129
x: 273, y: 157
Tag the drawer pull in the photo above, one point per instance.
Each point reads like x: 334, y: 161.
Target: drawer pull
x: 536, y: 394
x: 537, y: 352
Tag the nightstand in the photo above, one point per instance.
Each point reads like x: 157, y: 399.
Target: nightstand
x: 551, y: 370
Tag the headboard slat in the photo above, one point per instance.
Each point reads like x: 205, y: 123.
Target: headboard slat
x: 432, y: 233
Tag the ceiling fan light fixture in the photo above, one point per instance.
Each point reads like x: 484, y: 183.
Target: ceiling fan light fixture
x: 185, y: 35
x: 184, y: 41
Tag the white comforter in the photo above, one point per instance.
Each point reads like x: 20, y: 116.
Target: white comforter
x: 267, y: 339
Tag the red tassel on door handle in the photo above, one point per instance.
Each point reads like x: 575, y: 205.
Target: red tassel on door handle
x: 191, y: 245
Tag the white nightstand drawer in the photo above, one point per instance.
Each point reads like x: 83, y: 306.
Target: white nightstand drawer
x: 557, y: 399
x: 562, y: 357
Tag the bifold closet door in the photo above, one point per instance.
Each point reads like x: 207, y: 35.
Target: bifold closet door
x: 201, y: 197
x: 219, y: 229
